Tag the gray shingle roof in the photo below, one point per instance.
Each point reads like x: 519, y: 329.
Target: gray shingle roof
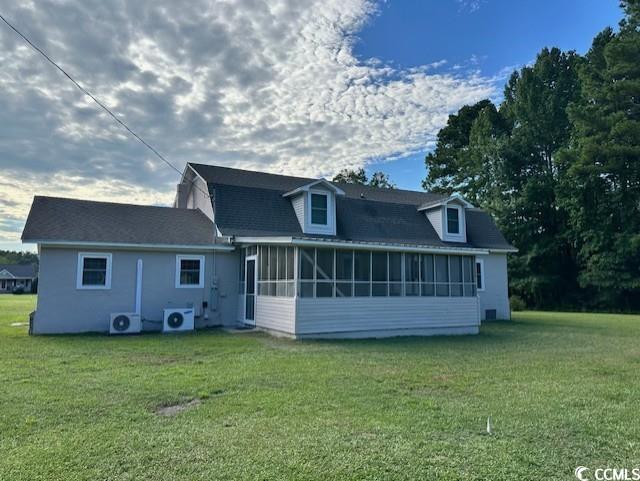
x: 24, y: 271
x: 58, y: 219
x: 216, y: 175
x: 248, y: 203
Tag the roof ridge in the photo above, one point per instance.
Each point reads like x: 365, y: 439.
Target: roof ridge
x: 256, y: 171
x: 125, y: 204
x: 311, y: 179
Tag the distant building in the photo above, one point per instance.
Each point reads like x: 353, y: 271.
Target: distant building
x: 17, y: 275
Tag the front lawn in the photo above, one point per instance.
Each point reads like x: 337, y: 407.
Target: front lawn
x: 563, y: 391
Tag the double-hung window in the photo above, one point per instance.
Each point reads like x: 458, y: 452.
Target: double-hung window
x: 453, y: 220
x: 319, y: 209
x: 189, y: 271
x: 94, y: 271
x: 480, y: 274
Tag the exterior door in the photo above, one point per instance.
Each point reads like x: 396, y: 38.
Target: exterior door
x: 250, y: 291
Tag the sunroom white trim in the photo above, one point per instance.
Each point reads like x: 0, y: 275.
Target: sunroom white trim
x: 380, y: 246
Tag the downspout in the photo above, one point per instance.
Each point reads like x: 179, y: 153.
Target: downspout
x: 139, y: 287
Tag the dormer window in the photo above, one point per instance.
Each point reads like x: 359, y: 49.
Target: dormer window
x: 315, y: 206
x: 319, y: 209
x: 453, y: 220
x: 448, y: 217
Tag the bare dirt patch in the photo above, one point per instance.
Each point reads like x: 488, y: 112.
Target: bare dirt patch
x: 173, y: 409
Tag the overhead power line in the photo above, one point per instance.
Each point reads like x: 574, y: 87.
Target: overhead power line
x: 97, y: 101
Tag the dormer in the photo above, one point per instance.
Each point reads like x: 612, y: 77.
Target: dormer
x: 448, y: 217
x: 315, y: 206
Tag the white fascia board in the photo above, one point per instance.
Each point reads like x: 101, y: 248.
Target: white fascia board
x: 389, y: 247
x: 130, y: 246
x: 263, y: 240
x: 361, y: 245
x: 4, y: 272
x: 307, y: 187
x: 197, y: 175
x: 503, y: 251
x: 440, y: 203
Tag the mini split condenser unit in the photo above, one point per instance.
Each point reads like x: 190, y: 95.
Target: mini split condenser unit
x: 125, y: 323
x: 178, y: 320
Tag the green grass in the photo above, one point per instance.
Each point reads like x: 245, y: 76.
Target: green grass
x: 563, y: 391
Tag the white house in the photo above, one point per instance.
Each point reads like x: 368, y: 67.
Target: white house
x: 294, y: 256
x: 21, y: 276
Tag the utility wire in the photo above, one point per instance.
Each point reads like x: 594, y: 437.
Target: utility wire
x: 92, y: 97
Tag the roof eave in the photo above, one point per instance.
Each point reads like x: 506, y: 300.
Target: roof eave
x: 362, y: 245
x: 127, y: 245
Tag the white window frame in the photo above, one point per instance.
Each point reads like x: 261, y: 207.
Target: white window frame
x: 481, y: 262
x: 186, y: 257
x: 446, y: 220
x: 326, y: 195
x: 80, y: 270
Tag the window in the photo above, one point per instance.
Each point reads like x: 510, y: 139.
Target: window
x: 275, y: 277
x: 468, y: 276
x: 355, y: 273
x: 442, y: 275
x: 319, y: 209
x: 344, y: 273
x: 412, y: 274
x: 241, y: 286
x: 453, y: 220
x: 427, y: 274
x: 455, y: 272
x: 94, y: 271
x: 307, y: 269
x: 379, y: 274
x: 480, y: 274
x: 189, y: 271
x: 324, y: 272
x: 395, y: 273
x: 362, y: 273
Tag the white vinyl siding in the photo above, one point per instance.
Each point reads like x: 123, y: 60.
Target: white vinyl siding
x: 435, y: 217
x: 353, y: 314
x: 298, y: 206
x: 495, y: 293
x: 276, y: 313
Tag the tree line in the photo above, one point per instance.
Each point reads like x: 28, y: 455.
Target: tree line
x: 11, y: 257
x: 557, y: 163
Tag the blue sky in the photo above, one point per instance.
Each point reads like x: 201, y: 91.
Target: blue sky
x: 491, y: 36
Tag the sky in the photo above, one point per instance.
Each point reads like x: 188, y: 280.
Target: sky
x: 285, y: 86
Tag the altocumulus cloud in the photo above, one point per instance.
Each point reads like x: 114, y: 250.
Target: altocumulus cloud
x: 265, y: 84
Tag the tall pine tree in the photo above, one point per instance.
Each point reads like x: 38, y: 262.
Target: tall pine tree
x: 602, y: 189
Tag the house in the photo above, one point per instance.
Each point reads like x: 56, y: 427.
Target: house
x: 297, y: 257
x: 13, y: 276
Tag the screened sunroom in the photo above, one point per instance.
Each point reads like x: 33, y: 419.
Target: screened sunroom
x: 291, y: 278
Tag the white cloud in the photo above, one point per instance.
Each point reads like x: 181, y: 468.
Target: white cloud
x: 265, y: 84
x: 470, y: 5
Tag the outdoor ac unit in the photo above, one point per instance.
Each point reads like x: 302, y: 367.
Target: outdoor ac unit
x: 125, y: 323
x: 178, y: 320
